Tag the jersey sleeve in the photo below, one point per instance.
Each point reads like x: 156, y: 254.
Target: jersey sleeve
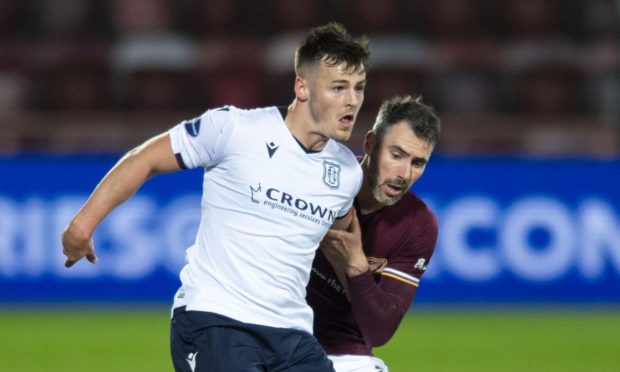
x: 411, y: 260
x: 378, y: 310
x: 379, y: 307
x: 201, y: 142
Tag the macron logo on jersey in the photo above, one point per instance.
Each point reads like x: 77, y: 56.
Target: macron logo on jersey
x: 193, y: 127
x: 271, y: 148
x: 191, y: 360
x: 253, y: 191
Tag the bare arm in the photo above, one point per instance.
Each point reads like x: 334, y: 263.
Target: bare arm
x: 342, y: 247
x: 343, y: 222
x: 123, y: 180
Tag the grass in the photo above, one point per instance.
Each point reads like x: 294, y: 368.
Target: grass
x: 507, y: 340
x: 108, y: 339
x: 93, y: 340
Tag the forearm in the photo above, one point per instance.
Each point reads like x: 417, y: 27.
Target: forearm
x: 343, y: 249
x: 377, y: 311
x: 121, y: 182
x: 347, y: 267
x: 342, y: 223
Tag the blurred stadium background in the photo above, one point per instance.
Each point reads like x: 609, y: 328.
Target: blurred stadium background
x: 525, y: 180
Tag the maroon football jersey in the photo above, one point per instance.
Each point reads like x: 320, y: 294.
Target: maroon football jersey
x: 399, y: 241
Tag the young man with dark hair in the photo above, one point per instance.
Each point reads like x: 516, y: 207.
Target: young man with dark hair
x: 364, y: 279
x: 274, y: 182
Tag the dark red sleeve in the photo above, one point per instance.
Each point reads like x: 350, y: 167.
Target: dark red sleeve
x: 379, y: 307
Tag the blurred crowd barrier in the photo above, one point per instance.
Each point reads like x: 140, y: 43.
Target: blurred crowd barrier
x: 536, y: 77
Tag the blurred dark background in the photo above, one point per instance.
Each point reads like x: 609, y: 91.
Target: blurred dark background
x: 537, y: 78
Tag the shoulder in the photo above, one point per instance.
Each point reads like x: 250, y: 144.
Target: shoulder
x: 413, y: 228
x: 232, y: 113
x: 417, y: 205
x: 416, y: 212
x: 344, y: 154
x: 351, y: 162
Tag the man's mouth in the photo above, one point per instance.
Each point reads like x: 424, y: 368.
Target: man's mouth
x: 393, y: 190
x: 347, y: 121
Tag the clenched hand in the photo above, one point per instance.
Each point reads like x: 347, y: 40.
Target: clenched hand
x: 75, y: 247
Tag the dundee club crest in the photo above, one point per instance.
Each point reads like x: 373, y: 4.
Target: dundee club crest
x: 331, y: 174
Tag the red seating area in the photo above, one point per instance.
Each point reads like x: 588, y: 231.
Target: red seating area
x: 539, y: 60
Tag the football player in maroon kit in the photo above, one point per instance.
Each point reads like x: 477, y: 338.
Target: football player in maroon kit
x: 364, y: 279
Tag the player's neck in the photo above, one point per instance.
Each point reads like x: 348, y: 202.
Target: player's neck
x: 366, y: 201
x: 299, y: 123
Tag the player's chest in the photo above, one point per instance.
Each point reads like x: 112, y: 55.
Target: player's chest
x: 381, y: 238
x: 284, y: 166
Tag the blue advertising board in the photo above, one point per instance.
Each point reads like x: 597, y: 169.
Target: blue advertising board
x: 511, y: 230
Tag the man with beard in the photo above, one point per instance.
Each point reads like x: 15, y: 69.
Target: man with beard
x: 364, y: 279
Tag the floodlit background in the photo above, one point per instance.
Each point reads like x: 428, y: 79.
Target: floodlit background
x: 525, y: 180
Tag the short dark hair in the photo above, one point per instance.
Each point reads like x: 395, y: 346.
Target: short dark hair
x: 421, y: 118
x: 333, y: 44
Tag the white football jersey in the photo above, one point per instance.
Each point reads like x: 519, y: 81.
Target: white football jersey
x: 266, y: 205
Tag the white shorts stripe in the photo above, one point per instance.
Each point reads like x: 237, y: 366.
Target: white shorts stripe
x: 357, y: 363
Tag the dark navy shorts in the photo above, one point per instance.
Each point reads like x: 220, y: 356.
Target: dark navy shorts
x: 202, y: 341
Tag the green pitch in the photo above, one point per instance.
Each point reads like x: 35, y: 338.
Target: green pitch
x: 110, y: 339
x: 507, y: 340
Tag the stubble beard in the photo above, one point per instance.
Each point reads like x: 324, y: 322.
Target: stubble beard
x: 322, y: 123
x: 375, y: 187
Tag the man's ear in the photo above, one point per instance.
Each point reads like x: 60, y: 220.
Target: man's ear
x: 301, y: 89
x: 369, y: 142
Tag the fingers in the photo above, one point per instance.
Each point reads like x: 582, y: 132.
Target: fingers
x: 335, y: 237
x: 75, y: 249
x: 354, y: 226
x: 92, y: 258
x: 332, y: 234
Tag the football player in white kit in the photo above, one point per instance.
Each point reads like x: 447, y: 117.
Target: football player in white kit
x: 275, y: 181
